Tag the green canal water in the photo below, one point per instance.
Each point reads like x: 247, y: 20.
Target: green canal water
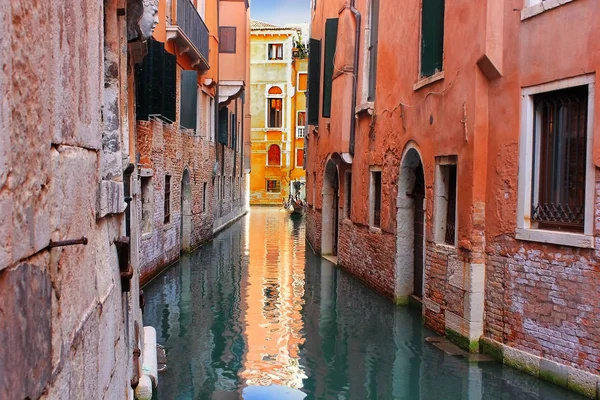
x: 256, y: 315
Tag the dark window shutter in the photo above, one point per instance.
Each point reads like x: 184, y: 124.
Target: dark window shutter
x: 156, y: 83
x: 189, y: 99
x: 314, y: 81
x: 227, y: 39
x: 233, y: 131
x: 169, y: 93
x: 331, y: 29
x: 373, y: 49
x: 223, y: 126
x: 432, y: 37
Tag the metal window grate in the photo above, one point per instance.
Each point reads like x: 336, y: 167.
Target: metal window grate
x: 560, y: 149
x: 450, y: 235
x: 167, y: 199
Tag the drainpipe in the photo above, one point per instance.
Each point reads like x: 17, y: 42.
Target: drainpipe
x: 357, y: 17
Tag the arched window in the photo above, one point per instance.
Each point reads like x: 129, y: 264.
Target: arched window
x: 275, y: 107
x: 274, y: 155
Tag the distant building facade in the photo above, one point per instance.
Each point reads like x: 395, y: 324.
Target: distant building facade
x: 279, y: 82
x: 191, y: 127
x: 452, y: 161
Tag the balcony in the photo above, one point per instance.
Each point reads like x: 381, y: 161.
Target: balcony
x: 300, y: 131
x: 189, y: 32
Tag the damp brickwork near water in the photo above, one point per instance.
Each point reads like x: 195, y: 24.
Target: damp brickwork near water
x: 255, y: 314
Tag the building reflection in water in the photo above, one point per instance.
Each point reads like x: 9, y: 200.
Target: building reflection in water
x: 255, y: 308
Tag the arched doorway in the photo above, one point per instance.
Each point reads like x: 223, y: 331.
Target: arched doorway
x: 329, y: 225
x: 186, y: 211
x: 410, y: 231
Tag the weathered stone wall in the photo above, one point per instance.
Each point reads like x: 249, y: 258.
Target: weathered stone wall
x: 63, y: 333
x: 368, y: 255
x: 164, y: 149
x: 543, y: 299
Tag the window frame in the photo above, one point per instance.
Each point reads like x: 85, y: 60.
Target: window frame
x: 228, y: 51
x: 269, y: 45
x: 297, y: 158
x: 167, y: 199
x: 427, y: 79
x: 524, y: 230
x: 441, y: 202
x: 372, y: 196
x: 280, y: 155
x: 298, y: 82
x: 267, y: 180
x: 268, y: 98
x: 348, y: 195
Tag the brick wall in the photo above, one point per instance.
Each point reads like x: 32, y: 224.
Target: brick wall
x: 543, y: 299
x: 313, y: 228
x: 368, y: 255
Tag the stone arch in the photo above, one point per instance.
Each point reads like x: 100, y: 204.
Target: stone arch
x: 410, y: 229
x: 330, y: 210
x: 186, y: 211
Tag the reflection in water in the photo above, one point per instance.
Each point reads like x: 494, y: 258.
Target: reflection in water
x: 256, y: 315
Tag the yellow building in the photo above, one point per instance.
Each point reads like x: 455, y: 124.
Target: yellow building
x: 278, y: 107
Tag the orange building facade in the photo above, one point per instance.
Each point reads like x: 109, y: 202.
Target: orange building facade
x: 453, y: 161
x: 279, y: 82
x: 191, y: 127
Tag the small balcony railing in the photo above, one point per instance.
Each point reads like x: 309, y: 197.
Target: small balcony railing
x: 300, y: 132
x: 190, y: 33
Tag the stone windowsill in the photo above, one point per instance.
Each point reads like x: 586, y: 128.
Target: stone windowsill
x: 168, y: 226
x: 554, y: 237
x: 545, y: 5
x: 347, y: 221
x: 445, y: 247
x: 374, y: 229
x: 367, y: 106
x: 147, y: 235
x: 428, y: 81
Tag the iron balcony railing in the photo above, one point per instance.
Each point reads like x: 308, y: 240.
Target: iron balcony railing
x: 300, y: 132
x: 190, y: 33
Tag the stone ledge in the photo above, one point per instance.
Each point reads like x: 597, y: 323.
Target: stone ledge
x: 540, y: 8
x: 574, y: 379
x: 111, y: 198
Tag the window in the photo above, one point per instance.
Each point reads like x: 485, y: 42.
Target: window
x: 314, y: 190
x: 348, y: 199
x: 432, y: 37
x: 156, y: 84
x: 167, y: 208
x: 375, y: 197
x: 331, y: 29
x: 560, y: 126
x: 314, y: 81
x: 445, y: 200
x: 204, y: 189
x: 188, y: 99
x: 274, y: 155
x: 227, y: 39
x: 233, y: 131
x: 211, y: 118
x: 373, y: 42
x: 273, y: 186
x: 224, y: 126
x: 275, y: 107
x: 147, y: 200
x: 556, y: 174
x: 276, y: 51
x: 302, y: 81
x: 300, y: 158
x: 301, y: 125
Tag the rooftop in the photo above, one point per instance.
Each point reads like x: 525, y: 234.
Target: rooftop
x: 265, y: 26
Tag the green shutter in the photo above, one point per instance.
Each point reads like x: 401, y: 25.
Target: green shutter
x: 331, y: 29
x: 314, y: 81
x: 432, y: 37
x: 189, y: 99
x: 223, y: 126
x: 233, y: 131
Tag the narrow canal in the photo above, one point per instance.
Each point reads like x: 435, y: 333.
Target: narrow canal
x: 256, y: 315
